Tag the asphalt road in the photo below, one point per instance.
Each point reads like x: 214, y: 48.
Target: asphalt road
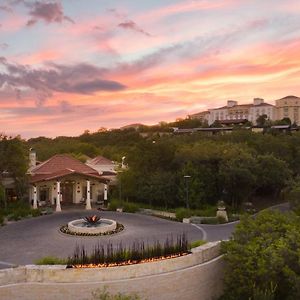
x: 27, y: 240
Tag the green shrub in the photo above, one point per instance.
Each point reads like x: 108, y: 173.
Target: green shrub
x: 262, y: 258
x: 130, y: 207
x: 221, y: 220
x: 210, y: 220
x: 182, y: 213
x: 50, y: 260
x: 35, y: 212
x: 233, y: 217
x: 197, y: 243
x: 114, y: 204
x: 103, y: 294
x: 18, y: 210
x: 208, y: 211
x: 127, y: 206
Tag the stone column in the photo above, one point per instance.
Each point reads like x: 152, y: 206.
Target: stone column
x: 34, y: 206
x: 58, y: 207
x: 88, y: 195
x: 105, y: 192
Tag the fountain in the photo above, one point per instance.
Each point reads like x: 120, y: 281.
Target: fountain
x: 92, y: 225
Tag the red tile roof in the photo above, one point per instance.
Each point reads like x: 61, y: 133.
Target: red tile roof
x: 61, y: 165
x: 45, y: 177
x: 100, y: 160
x: 61, y: 162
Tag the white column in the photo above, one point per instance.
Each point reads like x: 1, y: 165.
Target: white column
x: 34, y: 197
x: 58, y: 207
x: 105, y: 192
x: 88, y: 195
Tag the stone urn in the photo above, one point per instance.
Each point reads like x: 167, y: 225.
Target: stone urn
x: 221, y: 212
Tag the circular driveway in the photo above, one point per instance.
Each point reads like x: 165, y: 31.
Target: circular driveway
x: 27, y: 240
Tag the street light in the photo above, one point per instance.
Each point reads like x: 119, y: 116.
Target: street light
x: 186, y: 178
x: 123, y: 166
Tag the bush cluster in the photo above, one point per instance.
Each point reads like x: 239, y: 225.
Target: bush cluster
x: 209, y: 211
x: 263, y: 258
x: 197, y: 243
x: 129, y: 207
x: 18, y: 210
x: 50, y: 260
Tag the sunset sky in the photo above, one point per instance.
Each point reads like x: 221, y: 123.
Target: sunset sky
x: 71, y: 65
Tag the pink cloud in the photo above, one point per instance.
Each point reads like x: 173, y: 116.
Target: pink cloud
x: 187, y: 6
x: 12, y: 24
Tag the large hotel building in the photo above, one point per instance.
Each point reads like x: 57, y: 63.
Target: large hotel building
x: 287, y: 107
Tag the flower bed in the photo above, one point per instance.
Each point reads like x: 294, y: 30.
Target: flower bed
x: 64, y: 229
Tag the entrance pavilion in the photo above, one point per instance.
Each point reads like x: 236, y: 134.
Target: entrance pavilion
x: 63, y: 179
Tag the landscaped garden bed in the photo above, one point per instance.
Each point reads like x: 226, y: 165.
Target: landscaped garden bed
x: 110, y: 256
x: 64, y: 229
x: 17, y: 211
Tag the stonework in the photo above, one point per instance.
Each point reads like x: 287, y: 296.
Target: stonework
x: 191, y: 277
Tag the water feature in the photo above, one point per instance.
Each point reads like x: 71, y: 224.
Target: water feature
x: 92, y: 225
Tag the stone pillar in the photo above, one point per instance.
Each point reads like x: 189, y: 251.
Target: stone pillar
x: 105, y: 192
x: 58, y: 207
x: 34, y: 205
x: 88, y: 195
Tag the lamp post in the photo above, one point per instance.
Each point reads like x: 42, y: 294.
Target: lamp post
x: 186, y: 178
x: 123, y: 166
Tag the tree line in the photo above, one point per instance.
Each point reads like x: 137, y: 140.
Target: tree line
x: 234, y: 167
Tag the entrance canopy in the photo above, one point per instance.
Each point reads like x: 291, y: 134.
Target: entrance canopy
x: 63, y: 178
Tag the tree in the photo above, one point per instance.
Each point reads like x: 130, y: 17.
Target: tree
x: 216, y: 124
x: 285, y: 121
x: 237, y: 175
x: 263, y: 258
x: 292, y: 195
x: 273, y: 174
x: 261, y: 120
x: 14, y: 161
x: 194, y: 184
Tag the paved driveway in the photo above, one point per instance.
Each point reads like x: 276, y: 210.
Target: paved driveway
x: 25, y: 241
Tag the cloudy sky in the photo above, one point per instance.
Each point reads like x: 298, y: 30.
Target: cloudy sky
x: 71, y: 65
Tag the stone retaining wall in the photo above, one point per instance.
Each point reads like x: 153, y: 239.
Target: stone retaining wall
x: 191, y: 277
